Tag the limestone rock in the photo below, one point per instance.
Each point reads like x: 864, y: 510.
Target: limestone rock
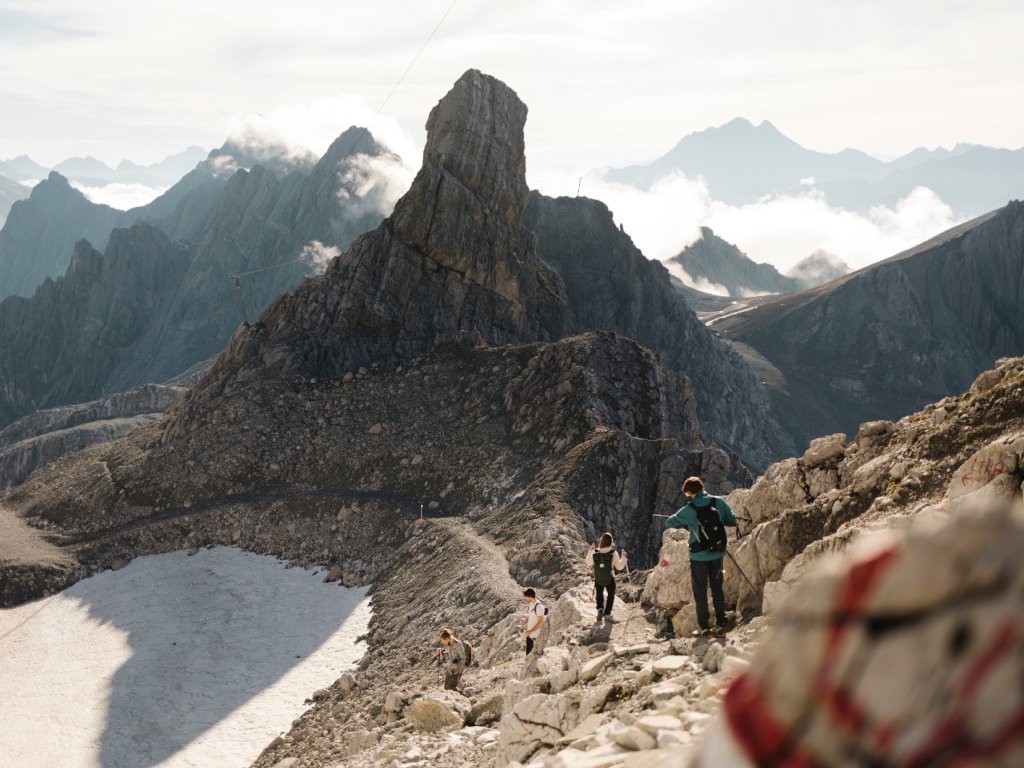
x: 823, y: 450
x: 1001, y: 457
x: 438, y: 710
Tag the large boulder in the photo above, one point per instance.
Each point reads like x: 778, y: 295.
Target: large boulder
x: 438, y: 710
x: 668, y: 586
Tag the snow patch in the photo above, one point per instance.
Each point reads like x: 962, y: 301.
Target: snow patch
x: 172, y: 661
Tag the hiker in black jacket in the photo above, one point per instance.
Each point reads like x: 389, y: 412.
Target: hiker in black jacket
x: 605, y: 560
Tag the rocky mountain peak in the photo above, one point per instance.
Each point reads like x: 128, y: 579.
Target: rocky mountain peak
x: 354, y: 140
x: 474, y: 170
x: 84, y: 259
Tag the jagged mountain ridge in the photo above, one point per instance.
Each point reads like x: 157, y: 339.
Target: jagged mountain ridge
x: 888, y: 338
x: 184, y: 312
x: 45, y: 226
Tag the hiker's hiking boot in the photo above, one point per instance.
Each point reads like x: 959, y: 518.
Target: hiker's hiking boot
x: 600, y: 615
x: 608, y: 617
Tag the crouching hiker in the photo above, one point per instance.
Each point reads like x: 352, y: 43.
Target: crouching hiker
x: 456, y: 661
x: 536, y: 612
x: 605, y: 561
x: 706, y: 517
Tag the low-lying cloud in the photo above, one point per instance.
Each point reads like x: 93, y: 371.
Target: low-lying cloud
x: 317, y: 256
x: 312, y: 126
x: 779, y: 230
x: 120, y: 196
x: 372, y: 185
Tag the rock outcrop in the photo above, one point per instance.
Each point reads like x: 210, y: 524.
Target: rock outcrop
x: 884, y: 341
x: 885, y: 478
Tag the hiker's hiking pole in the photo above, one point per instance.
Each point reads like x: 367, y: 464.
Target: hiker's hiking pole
x: 737, y: 565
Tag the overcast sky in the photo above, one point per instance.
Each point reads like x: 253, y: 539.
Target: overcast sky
x: 607, y: 83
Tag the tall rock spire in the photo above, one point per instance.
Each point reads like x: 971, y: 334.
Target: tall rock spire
x: 454, y: 256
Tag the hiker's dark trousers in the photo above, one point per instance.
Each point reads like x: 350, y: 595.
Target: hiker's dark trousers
x: 705, y: 573
x: 451, y: 680
x: 599, y: 594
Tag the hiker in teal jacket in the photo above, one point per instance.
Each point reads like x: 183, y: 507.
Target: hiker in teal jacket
x: 707, y: 548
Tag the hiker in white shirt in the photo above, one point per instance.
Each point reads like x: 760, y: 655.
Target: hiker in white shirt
x: 535, y: 615
x: 605, y: 560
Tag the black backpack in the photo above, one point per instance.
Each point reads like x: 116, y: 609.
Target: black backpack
x: 603, y: 575
x: 711, y: 535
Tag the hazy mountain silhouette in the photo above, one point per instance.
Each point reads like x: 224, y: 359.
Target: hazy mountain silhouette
x: 741, y: 163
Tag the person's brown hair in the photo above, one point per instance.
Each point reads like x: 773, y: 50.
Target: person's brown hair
x: 446, y: 634
x: 606, y: 540
x: 528, y: 592
x: 693, y: 485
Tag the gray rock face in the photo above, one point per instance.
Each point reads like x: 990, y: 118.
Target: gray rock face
x: 81, y: 324
x: 610, y: 285
x: 713, y: 259
x: 889, y: 338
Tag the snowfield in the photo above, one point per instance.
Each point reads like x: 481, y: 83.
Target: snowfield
x: 171, y: 661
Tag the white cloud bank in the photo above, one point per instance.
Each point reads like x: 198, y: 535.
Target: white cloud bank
x: 778, y: 230
x: 120, y: 196
x: 314, y: 125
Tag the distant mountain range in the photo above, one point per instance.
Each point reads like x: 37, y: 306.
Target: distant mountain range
x: 147, y: 295
x: 742, y: 163
x: 91, y: 172
x: 889, y: 338
x: 715, y: 265
x: 19, y: 174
